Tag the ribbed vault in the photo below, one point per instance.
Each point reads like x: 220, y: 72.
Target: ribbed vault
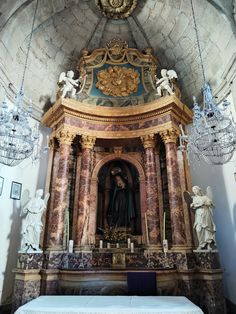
x: 64, y: 27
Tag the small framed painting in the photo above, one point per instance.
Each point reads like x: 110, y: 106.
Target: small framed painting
x: 1, y: 185
x: 16, y: 190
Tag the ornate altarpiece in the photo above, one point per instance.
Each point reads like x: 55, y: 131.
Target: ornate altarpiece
x: 87, y: 142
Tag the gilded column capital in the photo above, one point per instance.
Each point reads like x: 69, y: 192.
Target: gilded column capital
x: 88, y: 141
x: 169, y: 135
x: 148, y: 141
x: 65, y: 135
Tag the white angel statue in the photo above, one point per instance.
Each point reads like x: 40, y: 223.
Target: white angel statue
x: 166, y: 82
x: 67, y: 84
x: 32, y: 222
x: 203, y: 224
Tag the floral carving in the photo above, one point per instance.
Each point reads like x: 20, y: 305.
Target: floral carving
x: 117, y: 9
x: 118, y: 81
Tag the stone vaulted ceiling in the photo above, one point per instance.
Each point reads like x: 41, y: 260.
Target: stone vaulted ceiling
x: 64, y: 27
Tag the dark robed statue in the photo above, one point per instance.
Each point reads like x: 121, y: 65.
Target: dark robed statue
x: 121, y: 208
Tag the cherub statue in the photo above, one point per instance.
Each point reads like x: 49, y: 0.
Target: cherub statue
x: 166, y: 82
x: 32, y: 222
x: 203, y: 224
x: 67, y: 84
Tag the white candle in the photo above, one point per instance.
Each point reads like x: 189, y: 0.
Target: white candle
x: 164, y: 226
x: 108, y: 245
x: 100, y: 244
x: 128, y: 242
x: 146, y: 225
x: 70, y: 246
x: 117, y: 245
x: 165, y: 245
x: 132, y: 247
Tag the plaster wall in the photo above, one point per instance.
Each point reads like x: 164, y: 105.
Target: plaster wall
x: 222, y: 179
x: 32, y: 177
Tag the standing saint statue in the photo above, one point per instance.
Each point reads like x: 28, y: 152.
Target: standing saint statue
x: 32, y: 223
x: 121, y: 207
x: 203, y: 224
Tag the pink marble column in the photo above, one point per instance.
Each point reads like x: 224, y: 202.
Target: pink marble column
x: 184, y: 182
x: 175, y: 194
x: 56, y: 215
x: 152, y: 203
x: 82, y: 221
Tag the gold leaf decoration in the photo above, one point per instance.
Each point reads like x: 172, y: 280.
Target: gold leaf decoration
x: 117, y: 9
x: 118, y: 81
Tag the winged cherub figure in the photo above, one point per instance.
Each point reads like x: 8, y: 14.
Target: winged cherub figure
x: 67, y: 84
x: 203, y: 224
x: 166, y: 82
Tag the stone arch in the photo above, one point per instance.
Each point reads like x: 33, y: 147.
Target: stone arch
x: 93, y: 191
x: 124, y: 157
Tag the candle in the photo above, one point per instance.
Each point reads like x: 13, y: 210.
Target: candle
x: 117, y: 245
x: 70, y: 246
x: 128, y: 242
x: 132, y: 247
x: 165, y: 245
x: 108, y: 245
x: 164, y: 226
x: 100, y: 244
x: 146, y: 225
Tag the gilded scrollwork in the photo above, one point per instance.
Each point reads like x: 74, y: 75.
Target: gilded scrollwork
x: 118, y: 81
x: 148, y: 141
x: 169, y: 135
x: 65, y: 135
x: 117, y: 9
x: 88, y: 141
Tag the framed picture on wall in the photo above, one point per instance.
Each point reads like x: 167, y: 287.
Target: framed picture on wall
x: 1, y: 185
x: 16, y: 190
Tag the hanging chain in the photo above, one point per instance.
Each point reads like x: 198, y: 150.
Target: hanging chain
x: 198, y: 43
x: 28, y: 48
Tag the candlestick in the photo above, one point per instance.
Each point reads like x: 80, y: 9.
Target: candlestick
x: 128, y: 242
x: 108, y: 245
x: 164, y: 226
x: 117, y: 245
x: 132, y: 247
x: 165, y: 245
x: 146, y: 225
x: 70, y: 246
x: 100, y: 244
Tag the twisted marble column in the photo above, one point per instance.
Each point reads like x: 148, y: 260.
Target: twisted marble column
x: 152, y: 203
x: 169, y: 137
x: 82, y: 221
x: 56, y: 215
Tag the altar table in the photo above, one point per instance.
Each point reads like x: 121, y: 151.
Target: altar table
x: 109, y: 305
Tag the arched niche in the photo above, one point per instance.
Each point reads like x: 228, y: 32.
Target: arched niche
x: 107, y: 194
x: 108, y: 161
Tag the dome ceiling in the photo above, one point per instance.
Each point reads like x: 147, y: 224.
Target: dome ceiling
x: 65, y: 27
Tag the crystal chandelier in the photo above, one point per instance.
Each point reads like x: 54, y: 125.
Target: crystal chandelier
x: 213, y: 133
x: 17, y: 138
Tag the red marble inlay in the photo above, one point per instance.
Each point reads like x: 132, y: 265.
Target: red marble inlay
x: 175, y: 195
x: 152, y: 197
x: 84, y: 195
x: 56, y: 213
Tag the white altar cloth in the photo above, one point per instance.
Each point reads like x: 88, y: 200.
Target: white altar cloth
x: 109, y: 305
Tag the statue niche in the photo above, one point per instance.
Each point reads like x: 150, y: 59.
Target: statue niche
x: 118, y: 198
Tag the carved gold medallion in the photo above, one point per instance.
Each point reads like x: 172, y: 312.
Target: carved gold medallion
x: 117, y: 9
x: 118, y: 81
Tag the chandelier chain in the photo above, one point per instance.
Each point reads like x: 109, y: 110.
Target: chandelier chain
x: 198, y: 43
x: 29, y: 46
